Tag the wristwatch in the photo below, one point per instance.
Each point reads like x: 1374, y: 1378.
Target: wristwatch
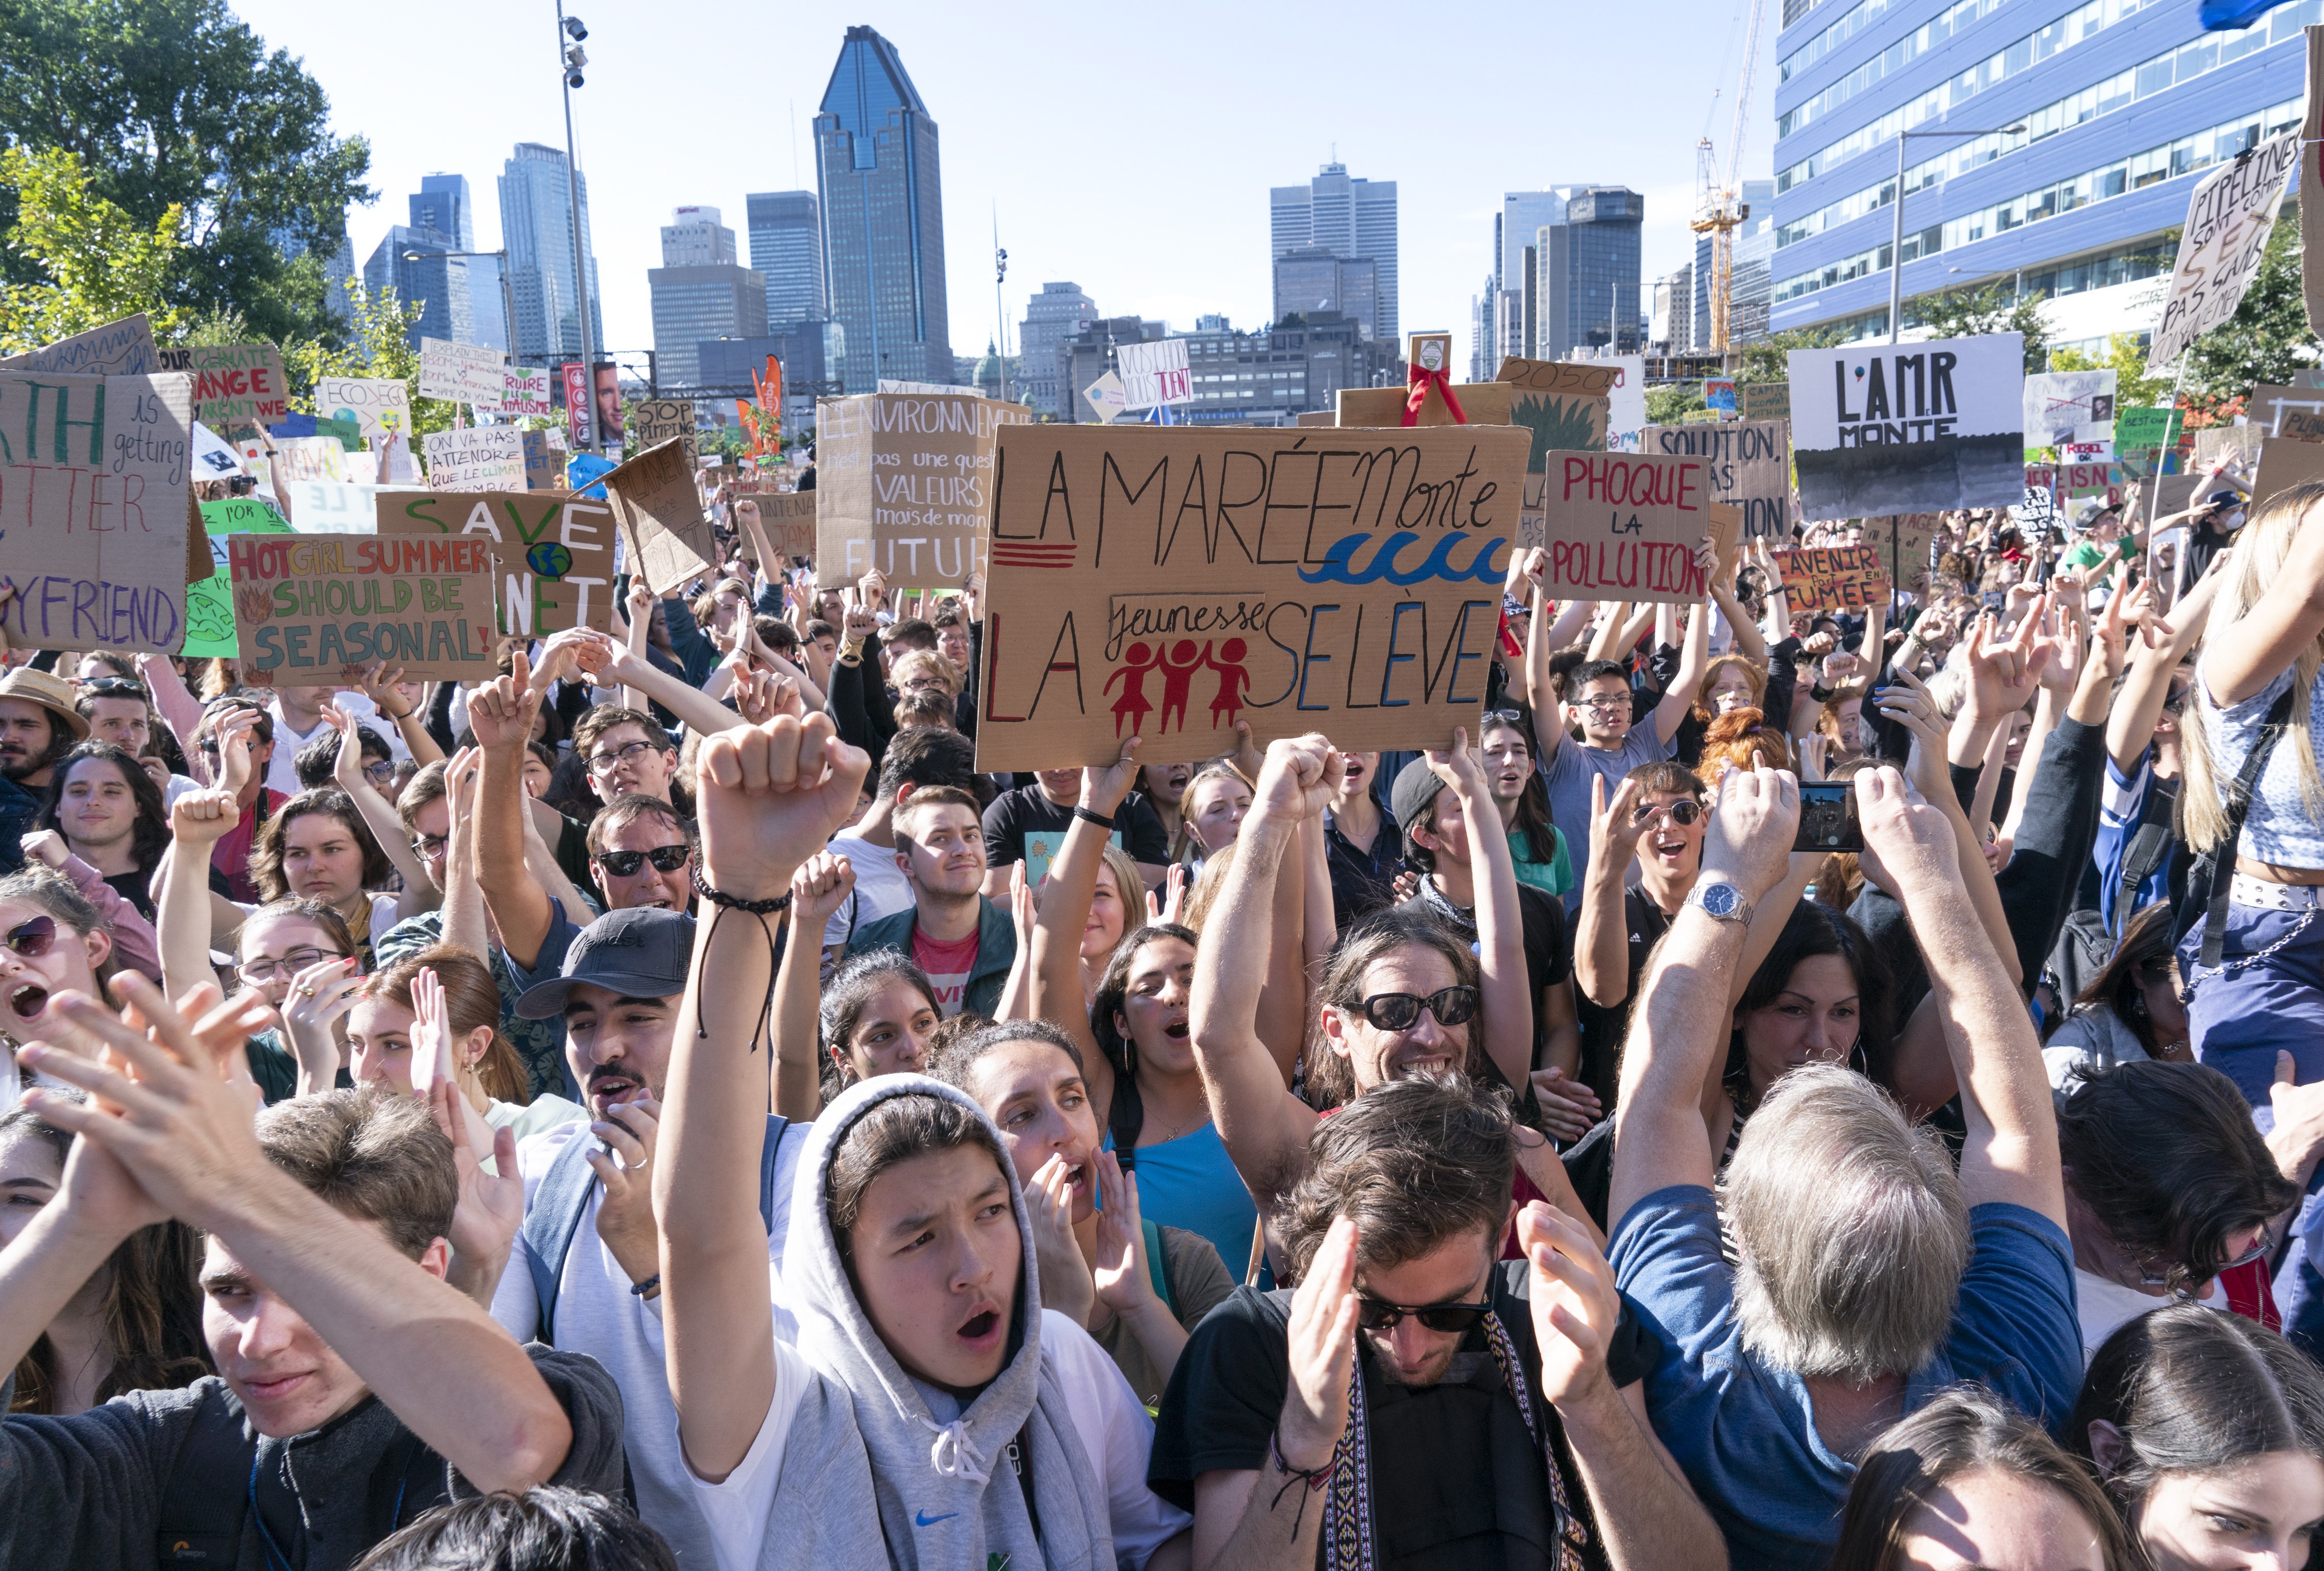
x: 1721, y: 902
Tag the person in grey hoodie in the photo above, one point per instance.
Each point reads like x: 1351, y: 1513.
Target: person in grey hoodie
x: 932, y: 1415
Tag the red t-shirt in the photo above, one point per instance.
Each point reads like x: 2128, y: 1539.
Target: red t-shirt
x: 948, y: 965
x: 231, y: 859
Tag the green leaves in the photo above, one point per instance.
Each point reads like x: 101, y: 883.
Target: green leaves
x: 1560, y: 422
x: 91, y: 262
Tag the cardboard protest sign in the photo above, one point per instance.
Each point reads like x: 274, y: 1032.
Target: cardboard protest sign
x: 1834, y: 577
x: 656, y: 420
x: 2070, y: 406
x: 2284, y: 463
x: 1105, y: 396
x: 1909, y: 428
x: 475, y: 458
x: 2038, y: 513
x: 381, y: 407
x: 2267, y: 407
x: 904, y: 484
x: 209, y: 604
x: 2219, y: 250
x: 310, y: 458
x: 214, y: 459
x: 787, y: 518
x: 463, y: 373
x: 1764, y: 400
x: 2239, y: 445
x: 308, y: 610
x: 657, y: 507
x: 1750, y: 467
x: 1169, y: 581
x: 119, y: 348
x: 1623, y: 526
x: 1155, y: 373
x: 1719, y: 396
x: 96, y: 510
x: 525, y: 391
x: 1485, y: 404
x: 544, y: 467
x: 553, y: 554
x: 236, y: 385
x: 2070, y: 483
x: 1595, y: 380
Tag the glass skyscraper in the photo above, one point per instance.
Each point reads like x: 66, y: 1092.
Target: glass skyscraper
x: 787, y: 248
x: 884, y: 219
x: 1353, y: 219
x: 537, y: 228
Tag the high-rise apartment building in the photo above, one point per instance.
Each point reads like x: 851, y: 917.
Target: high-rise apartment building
x: 537, y: 228
x: 444, y: 206
x: 1669, y: 329
x: 876, y: 161
x: 787, y: 250
x: 1061, y: 311
x: 1350, y: 218
x: 699, y: 291
x: 2072, y: 140
x: 413, y: 262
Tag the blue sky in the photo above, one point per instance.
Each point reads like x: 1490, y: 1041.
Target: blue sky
x: 1126, y: 148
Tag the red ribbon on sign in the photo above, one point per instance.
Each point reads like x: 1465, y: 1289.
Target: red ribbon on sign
x: 1421, y: 379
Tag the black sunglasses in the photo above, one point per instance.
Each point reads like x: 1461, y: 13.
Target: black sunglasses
x: 1374, y: 1316
x: 1397, y: 1012
x: 114, y: 687
x: 625, y: 864
x: 32, y: 937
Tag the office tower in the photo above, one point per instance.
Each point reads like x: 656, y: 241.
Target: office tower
x: 699, y: 291
x: 413, y: 262
x: 1522, y: 216
x: 444, y: 206
x: 2081, y: 136
x: 1585, y: 275
x: 340, y: 273
x: 1061, y: 311
x: 1672, y: 329
x: 877, y: 168
x: 1350, y: 218
x: 787, y: 250
x: 1309, y: 279
x: 537, y: 228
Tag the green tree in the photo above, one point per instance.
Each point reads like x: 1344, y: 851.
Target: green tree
x: 1964, y: 313
x: 2126, y: 356
x: 82, y: 260
x: 1668, y: 402
x: 1765, y: 360
x: 177, y: 105
x: 380, y: 345
x: 2267, y: 340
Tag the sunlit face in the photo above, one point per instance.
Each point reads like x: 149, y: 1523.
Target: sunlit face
x: 1035, y: 1094
x: 1357, y: 769
x: 322, y: 860
x: 1444, y: 831
x: 2260, y: 1511
x: 431, y: 831
x: 1991, y: 1520
x: 623, y: 759
x: 1815, y: 1020
x: 127, y: 722
x: 945, y: 853
x: 1062, y: 786
x: 1375, y: 1056
x: 1165, y: 784
x: 97, y: 807
x: 1731, y: 690
x: 645, y: 885
x: 938, y: 1257
x: 952, y: 643
x: 617, y: 1045
x: 41, y: 957
x: 890, y: 1036
x: 25, y: 734
x: 379, y: 1030
x: 1851, y: 737
x: 273, y: 949
x: 286, y: 1379
x: 2021, y: 726
x: 1458, y: 1270
x: 1604, y: 710
x: 30, y: 1172
x: 1157, y: 995
x: 1508, y: 763
x: 1109, y: 917
x: 1216, y: 808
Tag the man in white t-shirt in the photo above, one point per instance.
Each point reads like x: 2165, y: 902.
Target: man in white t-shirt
x: 917, y: 758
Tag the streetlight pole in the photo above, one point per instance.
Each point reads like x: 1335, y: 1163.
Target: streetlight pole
x: 572, y: 59
x: 1897, y: 220
x: 999, y: 320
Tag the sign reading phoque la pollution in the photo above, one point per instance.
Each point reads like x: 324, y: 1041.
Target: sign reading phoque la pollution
x: 553, y: 552
x: 1909, y: 428
x: 96, y: 509
x: 1624, y: 526
x: 310, y: 608
x: 1169, y: 581
x: 904, y: 484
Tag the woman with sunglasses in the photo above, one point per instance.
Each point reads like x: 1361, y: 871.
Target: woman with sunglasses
x: 1656, y: 822
x: 52, y: 939
x: 110, y: 814
x: 2130, y: 1010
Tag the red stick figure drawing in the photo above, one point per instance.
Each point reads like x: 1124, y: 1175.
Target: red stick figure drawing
x: 1178, y: 669
x: 1137, y: 660
x: 1233, y: 679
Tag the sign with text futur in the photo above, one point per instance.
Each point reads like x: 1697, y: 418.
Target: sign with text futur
x: 1750, y: 466
x: 553, y: 553
x: 1624, y: 526
x: 466, y: 374
x: 475, y: 458
x: 1833, y: 577
x: 904, y: 484
x: 96, y: 510
x: 2219, y: 249
x: 656, y: 506
x: 209, y: 605
x: 1168, y: 581
x: 236, y: 385
x: 2070, y: 406
x: 1909, y: 428
x: 118, y: 348
x: 320, y: 609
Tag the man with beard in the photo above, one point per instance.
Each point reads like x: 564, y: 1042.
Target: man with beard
x: 38, y: 727
x: 585, y: 1271
x: 1415, y: 1402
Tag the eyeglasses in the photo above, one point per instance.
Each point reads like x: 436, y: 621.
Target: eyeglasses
x: 1680, y: 813
x: 625, y: 864
x: 32, y: 937
x: 1399, y: 1012
x: 1605, y: 705
x: 916, y: 683
x: 602, y: 764
x: 1503, y: 718
x: 380, y: 773
x: 2187, y: 1279
x: 431, y: 847
x: 1375, y: 1315
x: 261, y: 969
x: 114, y: 687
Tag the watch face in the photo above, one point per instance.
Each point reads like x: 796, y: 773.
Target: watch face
x: 1721, y: 899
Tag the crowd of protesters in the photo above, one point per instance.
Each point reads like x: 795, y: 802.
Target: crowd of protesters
x: 1779, y: 1089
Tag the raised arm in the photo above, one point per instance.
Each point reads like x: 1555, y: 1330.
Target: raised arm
x: 769, y: 796
x: 1548, y: 707
x: 1507, y: 986
x: 2130, y: 724
x: 465, y: 921
x: 378, y: 684
x: 179, y: 710
x: 1694, y: 654
x: 198, y: 820
x: 420, y: 892
x: 820, y: 887
x: 500, y: 713
x: 1601, y: 945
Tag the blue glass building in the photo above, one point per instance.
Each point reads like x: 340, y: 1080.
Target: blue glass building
x: 882, y: 219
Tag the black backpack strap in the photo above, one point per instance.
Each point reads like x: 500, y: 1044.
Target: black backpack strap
x: 207, y: 1496
x: 2239, y: 804
x: 558, y: 1204
x: 777, y: 1127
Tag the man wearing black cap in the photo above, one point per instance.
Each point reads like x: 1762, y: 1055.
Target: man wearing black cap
x: 585, y: 1272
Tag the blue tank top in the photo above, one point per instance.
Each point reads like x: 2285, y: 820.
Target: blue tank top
x: 1191, y: 1183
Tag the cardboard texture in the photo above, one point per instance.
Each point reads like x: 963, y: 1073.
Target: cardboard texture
x: 1834, y: 577
x: 904, y: 484
x: 2070, y: 406
x: 1559, y: 420
x: 1624, y: 526
x: 2285, y: 463
x: 308, y: 610
x: 1170, y: 580
x: 1750, y: 466
x: 657, y: 507
x: 2267, y: 406
x: 786, y: 517
x: 466, y: 374
x: 2069, y: 482
x: 475, y: 458
x: 209, y: 604
x: 236, y: 385
x: 2227, y: 222
x: 1485, y: 404
x: 1593, y: 381
x: 96, y: 482
x: 544, y: 468
x: 656, y: 420
x: 2240, y: 443
x: 553, y: 554
x: 1909, y: 428
x: 1764, y: 400
x: 119, y: 348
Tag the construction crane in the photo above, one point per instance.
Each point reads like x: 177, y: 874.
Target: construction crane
x: 1719, y: 206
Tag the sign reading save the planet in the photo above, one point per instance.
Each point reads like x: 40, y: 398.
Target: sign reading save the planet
x: 553, y: 553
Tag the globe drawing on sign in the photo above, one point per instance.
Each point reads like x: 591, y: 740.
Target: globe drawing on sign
x: 549, y: 559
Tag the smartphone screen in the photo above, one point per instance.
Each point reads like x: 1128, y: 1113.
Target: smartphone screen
x: 1828, y: 820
